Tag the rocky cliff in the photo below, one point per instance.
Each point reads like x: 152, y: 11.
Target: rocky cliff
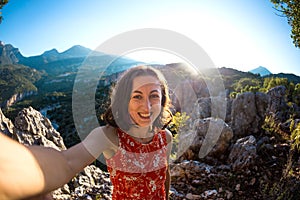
x: 234, y: 158
x: 17, y: 97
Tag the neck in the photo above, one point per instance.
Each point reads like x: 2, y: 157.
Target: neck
x: 141, y: 132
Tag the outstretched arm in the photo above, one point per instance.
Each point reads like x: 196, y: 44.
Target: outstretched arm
x: 168, y: 175
x: 28, y: 171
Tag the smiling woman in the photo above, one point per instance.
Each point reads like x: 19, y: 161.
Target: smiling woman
x: 138, y: 162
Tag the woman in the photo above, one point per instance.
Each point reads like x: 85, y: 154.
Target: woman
x: 134, y: 142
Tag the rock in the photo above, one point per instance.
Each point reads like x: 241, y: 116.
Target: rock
x: 248, y: 111
x: 17, y: 97
x: 91, y: 183
x: 221, y: 108
x: 33, y: 128
x: 276, y: 101
x: 208, y: 137
x: 6, y: 126
x: 192, y: 196
x: 243, y: 153
x: 209, y: 194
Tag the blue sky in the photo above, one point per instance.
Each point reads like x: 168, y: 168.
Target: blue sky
x: 240, y: 34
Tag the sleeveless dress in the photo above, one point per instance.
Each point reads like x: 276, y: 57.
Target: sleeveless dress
x: 138, y: 171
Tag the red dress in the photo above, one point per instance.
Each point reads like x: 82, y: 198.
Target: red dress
x: 138, y: 171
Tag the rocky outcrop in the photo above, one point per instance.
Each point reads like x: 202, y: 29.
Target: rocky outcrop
x: 248, y: 113
x: 32, y: 128
x: 92, y: 183
x: 277, y: 106
x: 240, y: 157
x: 243, y: 153
x: 208, y: 137
x: 6, y: 126
x: 17, y: 97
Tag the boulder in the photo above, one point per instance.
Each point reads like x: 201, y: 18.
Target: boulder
x: 243, y: 153
x: 248, y: 113
x: 208, y: 137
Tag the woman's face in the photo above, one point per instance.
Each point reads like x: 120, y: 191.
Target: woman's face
x: 145, y: 100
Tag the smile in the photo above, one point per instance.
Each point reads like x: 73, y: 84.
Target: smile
x: 143, y: 115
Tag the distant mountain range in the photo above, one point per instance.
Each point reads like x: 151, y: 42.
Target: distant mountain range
x: 55, y: 63
x: 12, y: 55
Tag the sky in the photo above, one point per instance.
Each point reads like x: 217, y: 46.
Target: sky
x: 242, y: 34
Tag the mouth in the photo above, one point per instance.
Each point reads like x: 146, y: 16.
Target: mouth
x: 145, y: 115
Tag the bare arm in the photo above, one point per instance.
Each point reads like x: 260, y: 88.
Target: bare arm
x: 168, y: 176
x: 27, y: 171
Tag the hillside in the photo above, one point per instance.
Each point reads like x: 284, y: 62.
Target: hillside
x: 17, y: 79
x: 291, y: 77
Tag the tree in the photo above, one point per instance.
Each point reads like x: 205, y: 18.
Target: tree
x: 247, y: 85
x: 291, y: 10
x: 2, y: 3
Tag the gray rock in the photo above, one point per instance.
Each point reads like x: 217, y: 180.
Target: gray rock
x: 243, y: 153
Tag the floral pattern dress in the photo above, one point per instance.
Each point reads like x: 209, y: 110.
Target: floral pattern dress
x: 138, y: 171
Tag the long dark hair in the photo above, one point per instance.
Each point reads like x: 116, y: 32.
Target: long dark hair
x: 117, y: 114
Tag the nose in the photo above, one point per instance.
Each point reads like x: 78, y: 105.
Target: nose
x: 147, y: 104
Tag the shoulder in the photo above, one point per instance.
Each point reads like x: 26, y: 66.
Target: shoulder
x: 111, y: 134
x: 101, y: 139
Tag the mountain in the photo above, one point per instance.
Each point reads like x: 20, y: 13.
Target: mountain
x: 38, y: 62
x: 16, y: 82
x: 56, y: 63
x: 291, y: 77
x: 9, y: 54
x: 261, y: 70
x: 76, y: 51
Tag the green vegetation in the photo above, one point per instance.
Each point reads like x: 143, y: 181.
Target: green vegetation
x: 179, y: 120
x: 291, y: 10
x: 2, y: 3
x: 295, y: 136
x: 15, y: 79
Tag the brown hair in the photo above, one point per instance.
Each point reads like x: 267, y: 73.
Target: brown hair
x: 117, y: 114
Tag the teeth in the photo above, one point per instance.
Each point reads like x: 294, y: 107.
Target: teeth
x: 145, y: 115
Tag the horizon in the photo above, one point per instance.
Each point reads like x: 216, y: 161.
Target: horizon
x: 141, y: 54
x: 241, y: 35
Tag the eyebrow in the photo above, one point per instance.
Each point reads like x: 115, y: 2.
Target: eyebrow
x: 137, y: 91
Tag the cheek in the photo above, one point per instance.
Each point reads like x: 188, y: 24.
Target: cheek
x: 132, y: 105
x: 156, y: 108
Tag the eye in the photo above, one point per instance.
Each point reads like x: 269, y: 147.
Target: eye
x: 154, y: 96
x: 138, y: 97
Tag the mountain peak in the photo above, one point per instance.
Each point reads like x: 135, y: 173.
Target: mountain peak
x: 76, y: 51
x: 261, y: 70
x: 51, y: 52
x: 9, y: 54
